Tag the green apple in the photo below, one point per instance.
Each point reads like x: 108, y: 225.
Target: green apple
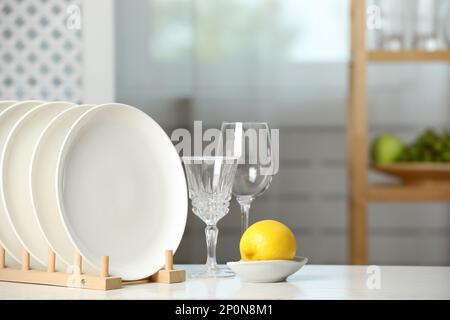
x: 386, y: 149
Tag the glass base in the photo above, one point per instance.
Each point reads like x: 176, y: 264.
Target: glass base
x: 216, y: 272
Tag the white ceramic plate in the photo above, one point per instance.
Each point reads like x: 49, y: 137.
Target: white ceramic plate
x: 121, y: 190
x: 267, y: 271
x: 16, y: 164
x: 6, y: 104
x: 8, y: 238
x: 43, y: 187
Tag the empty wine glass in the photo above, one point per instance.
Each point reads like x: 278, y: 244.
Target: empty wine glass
x: 251, y: 143
x: 210, y: 181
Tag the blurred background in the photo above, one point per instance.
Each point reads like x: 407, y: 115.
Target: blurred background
x: 281, y: 61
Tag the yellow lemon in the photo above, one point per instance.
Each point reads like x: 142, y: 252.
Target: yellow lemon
x: 268, y: 240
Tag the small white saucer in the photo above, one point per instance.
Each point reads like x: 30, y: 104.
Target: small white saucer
x: 267, y: 271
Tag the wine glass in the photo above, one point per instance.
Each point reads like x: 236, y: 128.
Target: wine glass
x: 210, y: 181
x: 251, y: 143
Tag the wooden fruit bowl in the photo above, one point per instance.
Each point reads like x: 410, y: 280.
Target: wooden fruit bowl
x: 418, y: 173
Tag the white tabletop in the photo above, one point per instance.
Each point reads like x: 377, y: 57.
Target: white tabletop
x: 311, y: 282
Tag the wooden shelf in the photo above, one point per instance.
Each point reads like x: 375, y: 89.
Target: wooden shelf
x: 406, y: 193
x: 413, y: 189
x: 405, y: 56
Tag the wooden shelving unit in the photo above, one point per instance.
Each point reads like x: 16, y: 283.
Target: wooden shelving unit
x: 361, y: 193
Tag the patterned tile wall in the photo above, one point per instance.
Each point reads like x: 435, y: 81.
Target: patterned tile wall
x: 40, y: 50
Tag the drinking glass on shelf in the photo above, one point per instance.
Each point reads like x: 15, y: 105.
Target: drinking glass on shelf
x: 392, y: 24
x: 210, y: 181
x: 251, y: 143
x: 426, y: 33
x: 444, y: 24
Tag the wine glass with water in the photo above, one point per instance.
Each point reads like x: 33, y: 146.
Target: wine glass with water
x: 210, y: 180
x: 251, y: 143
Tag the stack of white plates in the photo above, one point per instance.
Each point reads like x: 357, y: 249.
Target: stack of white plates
x: 100, y: 180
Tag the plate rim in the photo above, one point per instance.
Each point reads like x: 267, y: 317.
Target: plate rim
x: 59, y: 172
x: 7, y: 208
x: 10, y: 253
x: 31, y: 179
x: 5, y: 104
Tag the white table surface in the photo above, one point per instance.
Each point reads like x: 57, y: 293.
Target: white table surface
x: 311, y: 282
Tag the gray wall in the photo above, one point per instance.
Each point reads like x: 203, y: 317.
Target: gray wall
x: 307, y: 101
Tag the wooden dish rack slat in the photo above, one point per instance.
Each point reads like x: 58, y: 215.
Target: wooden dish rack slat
x: 78, y: 279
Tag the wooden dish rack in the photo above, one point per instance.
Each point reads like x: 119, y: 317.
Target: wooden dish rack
x: 78, y: 279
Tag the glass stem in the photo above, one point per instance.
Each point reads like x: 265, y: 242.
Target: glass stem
x: 211, y: 232
x: 245, y: 212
